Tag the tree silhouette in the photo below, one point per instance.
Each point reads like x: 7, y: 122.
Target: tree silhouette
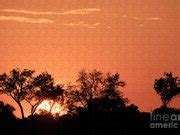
x: 43, y: 88
x: 95, y: 98
x: 111, y: 87
x: 6, y: 111
x: 93, y: 86
x: 16, y: 85
x: 167, y: 87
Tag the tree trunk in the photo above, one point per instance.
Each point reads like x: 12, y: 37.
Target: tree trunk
x: 33, y: 110
x: 165, y: 104
x: 34, y: 107
x: 22, y: 111
x: 51, y: 107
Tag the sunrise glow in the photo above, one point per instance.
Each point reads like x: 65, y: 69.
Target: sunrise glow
x: 56, y: 110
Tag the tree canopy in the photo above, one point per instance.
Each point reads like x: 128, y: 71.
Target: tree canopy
x: 167, y: 87
x: 16, y: 85
x: 95, y: 85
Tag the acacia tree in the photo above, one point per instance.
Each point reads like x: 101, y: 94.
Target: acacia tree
x: 91, y: 86
x: 167, y: 87
x: 43, y: 88
x: 16, y: 85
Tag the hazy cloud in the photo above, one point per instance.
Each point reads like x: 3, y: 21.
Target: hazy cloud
x: 151, y: 18
x: 69, y: 12
x: 30, y: 12
x: 154, y: 18
x: 82, y: 24
x: 136, y: 18
x: 25, y: 19
x: 81, y: 11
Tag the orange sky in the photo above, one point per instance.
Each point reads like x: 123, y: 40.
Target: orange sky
x: 139, y: 39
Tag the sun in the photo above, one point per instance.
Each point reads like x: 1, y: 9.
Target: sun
x: 56, y: 110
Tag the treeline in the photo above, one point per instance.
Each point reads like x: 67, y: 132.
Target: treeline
x: 95, y: 103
